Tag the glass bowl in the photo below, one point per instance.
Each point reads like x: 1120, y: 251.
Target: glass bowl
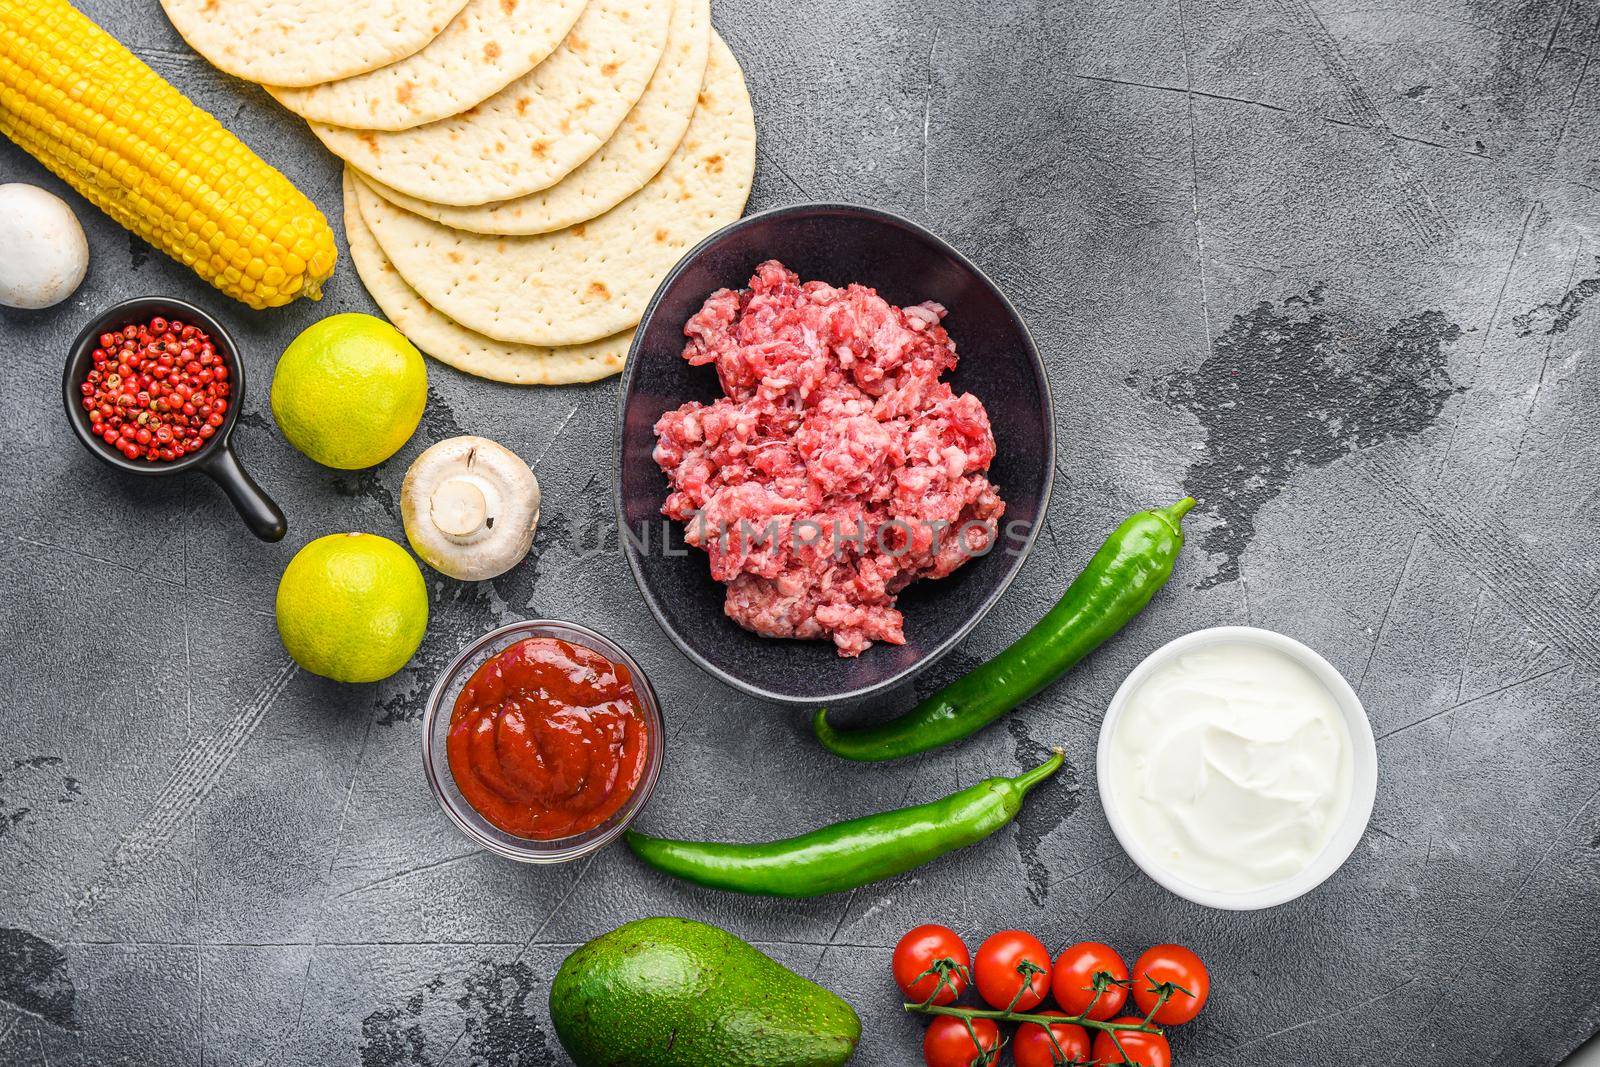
x: 436, y: 729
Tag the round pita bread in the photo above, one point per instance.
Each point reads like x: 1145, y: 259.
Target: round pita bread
x: 485, y: 48
x: 533, y: 132
x: 593, y: 279
x: 640, y: 147
x: 450, y: 343
x: 303, y: 42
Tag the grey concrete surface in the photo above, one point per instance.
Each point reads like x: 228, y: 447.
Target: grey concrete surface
x: 1332, y: 267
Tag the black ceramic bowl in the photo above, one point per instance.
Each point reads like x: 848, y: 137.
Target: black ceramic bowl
x: 999, y: 364
x: 215, y: 459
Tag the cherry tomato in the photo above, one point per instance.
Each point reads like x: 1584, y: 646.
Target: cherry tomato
x: 917, y: 953
x: 1002, y: 959
x: 1032, y: 1048
x: 1181, y: 967
x: 1146, y: 1050
x: 1074, y: 980
x: 949, y: 1044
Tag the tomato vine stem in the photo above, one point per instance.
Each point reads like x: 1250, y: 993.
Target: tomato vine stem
x: 1027, y: 1017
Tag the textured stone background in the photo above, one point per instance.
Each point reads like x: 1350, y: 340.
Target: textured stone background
x: 1334, y: 268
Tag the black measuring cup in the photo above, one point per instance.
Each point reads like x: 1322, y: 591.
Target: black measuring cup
x: 215, y: 459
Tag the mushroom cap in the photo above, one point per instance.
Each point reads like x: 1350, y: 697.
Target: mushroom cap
x: 46, y: 253
x: 470, y: 507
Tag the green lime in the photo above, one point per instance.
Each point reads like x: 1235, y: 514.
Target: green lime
x: 352, y: 607
x: 349, y: 391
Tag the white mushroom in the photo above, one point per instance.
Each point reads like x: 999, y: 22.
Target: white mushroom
x: 46, y: 254
x: 470, y: 507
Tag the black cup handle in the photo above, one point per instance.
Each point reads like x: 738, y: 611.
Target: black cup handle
x: 256, y: 508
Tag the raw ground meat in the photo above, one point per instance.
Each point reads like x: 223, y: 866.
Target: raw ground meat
x: 838, y: 468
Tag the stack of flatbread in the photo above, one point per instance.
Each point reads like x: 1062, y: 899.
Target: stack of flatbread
x: 520, y: 174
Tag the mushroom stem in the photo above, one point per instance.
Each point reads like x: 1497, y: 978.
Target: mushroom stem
x: 470, y: 507
x: 458, y: 508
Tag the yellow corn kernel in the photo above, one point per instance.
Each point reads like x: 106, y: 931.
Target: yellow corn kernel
x: 137, y: 149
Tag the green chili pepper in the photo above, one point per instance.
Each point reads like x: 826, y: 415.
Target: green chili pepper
x: 848, y: 854
x: 1134, y: 562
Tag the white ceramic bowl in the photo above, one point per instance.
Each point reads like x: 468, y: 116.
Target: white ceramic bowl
x: 1363, y: 758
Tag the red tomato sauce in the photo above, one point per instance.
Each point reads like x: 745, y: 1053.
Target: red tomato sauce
x: 548, y: 739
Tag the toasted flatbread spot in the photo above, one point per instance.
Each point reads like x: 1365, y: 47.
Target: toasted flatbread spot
x: 634, y: 154
x: 472, y: 57
x: 537, y: 289
x: 453, y: 344
x: 308, y: 42
x: 598, y: 289
x: 452, y: 161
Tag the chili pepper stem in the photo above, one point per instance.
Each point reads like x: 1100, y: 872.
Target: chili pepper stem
x: 1174, y: 513
x: 1134, y: 561
x: 1050, y: 766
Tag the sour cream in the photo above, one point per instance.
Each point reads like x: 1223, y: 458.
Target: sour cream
x: 1232, y: 766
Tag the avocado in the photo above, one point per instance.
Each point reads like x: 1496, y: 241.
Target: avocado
x: 677, y: 993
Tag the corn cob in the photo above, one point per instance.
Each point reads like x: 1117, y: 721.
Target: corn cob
x: 136, y: 148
